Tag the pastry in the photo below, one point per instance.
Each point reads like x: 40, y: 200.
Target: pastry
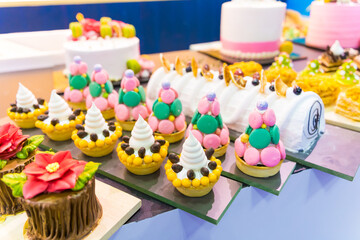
x: 26, y: 108
x: 96, y: 138
x: 247, y: 68
x: 78, y: 89
x: 58, y: 195
x: 142, y: 154
x: 348, y: 103
x: 238, y: 98
x: 167, y: 119
x: 346, y: 74
x: 259, y: 151
x: 332, y: 58
x: 102, y: 93
x: 312, y: 68
x: 282, y: 67
x: 59, y: 123
x: 132, y: 102
x: 195, y: 172
x: 16, y: 151
x: 207, y: 125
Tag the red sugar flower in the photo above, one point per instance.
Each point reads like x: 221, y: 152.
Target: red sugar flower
x: 11, y: 141
x: 51, y: 173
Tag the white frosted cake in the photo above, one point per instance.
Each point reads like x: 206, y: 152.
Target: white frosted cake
x: 300, y: 114
x: 251, y: 29
x: 108, y: 42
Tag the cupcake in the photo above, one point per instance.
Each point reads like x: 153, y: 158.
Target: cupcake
x: 96, y: 138
x: 16, y: 151
x: 207, y: 125
x: 195, y: 172
x: 60, y: 121
x: 102, y: 93
x: 259, y: 151
x: 27, y: 108
x: 132, y: 102
x: 346, y: 74
x: 166, y: 120
x: 142, y: 154
x: 58, y: 196
x: 76, y: 93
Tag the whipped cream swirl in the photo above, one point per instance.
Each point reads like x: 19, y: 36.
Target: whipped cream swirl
x: 58, y: 108
x: 25, y: 98
x: 94, y: 121
x: 141, y: 135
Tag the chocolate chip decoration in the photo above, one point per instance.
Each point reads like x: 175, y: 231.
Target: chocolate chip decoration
x: 40, y: 101
x: 72, y: 117
x: 161, y: 141
x: 272, y: 88
x: 126, y: 139
x: 106, y: 133
x: 129, y: 151
x: 206, y: 67
x: 209, y: 152
x: 46, y: 112
x: 297, y: 90
x: 12, y: 104
x: 36, y: 106
x: 190, y: 174
x: 212, y: 165
x: 19, y: 109
x: 155, y: 148
x: 79, y: 127
x: 26, y: 110
x: 177, y: 168
x: 82, y: 134
x: 42, y: 117
x: 141, y: 152
x: 221, y: 76
x: 54, y: 121
x: 111, y: 123
x: 77, y: 112
x: 204, y: 171
x: 124, y: 146
x: 255, y: 82
x: 188, y: 69
x: 13, y: 109
x: 93, y: 137
x: 173, y: 158
x: 112, y: 128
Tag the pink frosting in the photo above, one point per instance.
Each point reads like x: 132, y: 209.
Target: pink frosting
x: 252, y: 47
x: 239, y: 147
x: 255, y: 119
x: 269, y: 117
x: 211, y: 141
x: 166, y: 127
x: 252, y: 156
x: 122, y: 112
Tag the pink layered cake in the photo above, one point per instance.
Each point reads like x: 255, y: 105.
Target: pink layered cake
x: 251, y: 29
x: 334, y: 21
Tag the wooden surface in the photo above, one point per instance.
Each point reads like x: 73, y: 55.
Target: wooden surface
x: 117, y: 206
x: 337, y: 120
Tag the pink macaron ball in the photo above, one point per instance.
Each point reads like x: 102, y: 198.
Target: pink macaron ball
x: 252, y: 156
x: 113, y: 99
x: 239, y: 147
x: 82, y: 68
x: 269, y: 118
x: 101, y: 103
x: 270, y: 156
x: 198, y: 135
x: 140, y: 110
x: 122, y: 112
x: 203, y: 106
x: 180, y: 122
x: 153, y: 122
x: 129, y: 84
x: 215, y: 108
x: 224, y: 135
x: 86, y: 92
x: 76, y: 96
x: 67, y: 94
x: 89, y: 101
x: 166, y: 127
x: 281, y: 149
x: 167, y: 96
x: 211, y: 141
x: 255, y: 120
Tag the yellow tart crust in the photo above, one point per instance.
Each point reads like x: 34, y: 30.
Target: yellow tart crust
x: 257, y: 171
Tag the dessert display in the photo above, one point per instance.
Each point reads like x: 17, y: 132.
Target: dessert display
x: 259, y: 151
x: 101, y: 92
x: 131, y: 102
x: 109, y: 42
x: 167, y: 119
x: 332, y: 58
x: 194, y: 172
x: 207, y: 125
x: 96, y: 138
x: 142, y: 67
x: 335, y: 20
x: 58, y: 195
x: 238, y: 21
x: 26, y: 108
x: 282, y: 67
x: 59, y: 123
x: 79, y: 80
x: 300, y: 114
x: 348, y: 103
x: 142, y: 154
x: 346, y: 74
x: 294, y: 25
x: 16, y: 151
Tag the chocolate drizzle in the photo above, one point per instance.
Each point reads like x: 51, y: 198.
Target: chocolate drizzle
x: 67, y: 215
x: 8, y: 203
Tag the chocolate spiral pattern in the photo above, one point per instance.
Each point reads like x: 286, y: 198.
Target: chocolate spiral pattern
x: 314, y: 120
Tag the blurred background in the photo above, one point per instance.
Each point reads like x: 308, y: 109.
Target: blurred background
x: 161, y: 26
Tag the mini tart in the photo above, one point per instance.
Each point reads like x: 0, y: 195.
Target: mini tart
x: 98, y: 148
x: 127, y: 125
x: 196, y: 187
x: 257, y: 171
x: 10, y: 205
x: 26, y: 119
x: 172, y: 137
x: 60, y: 132
x: 77, y: 105
x: 108, y: 113
x: 348, y: 103
x: 143, y: 165
x: 220, y: 151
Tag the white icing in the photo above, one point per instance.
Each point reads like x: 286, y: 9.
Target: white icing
x: 336, y: 48
x: 249, y: 55
x: 94, y: 121
x: 141, y: 135
x: 25, y: 98
x: 58, y: 108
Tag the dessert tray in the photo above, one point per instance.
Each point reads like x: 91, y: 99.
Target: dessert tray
x: 112, y: 201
